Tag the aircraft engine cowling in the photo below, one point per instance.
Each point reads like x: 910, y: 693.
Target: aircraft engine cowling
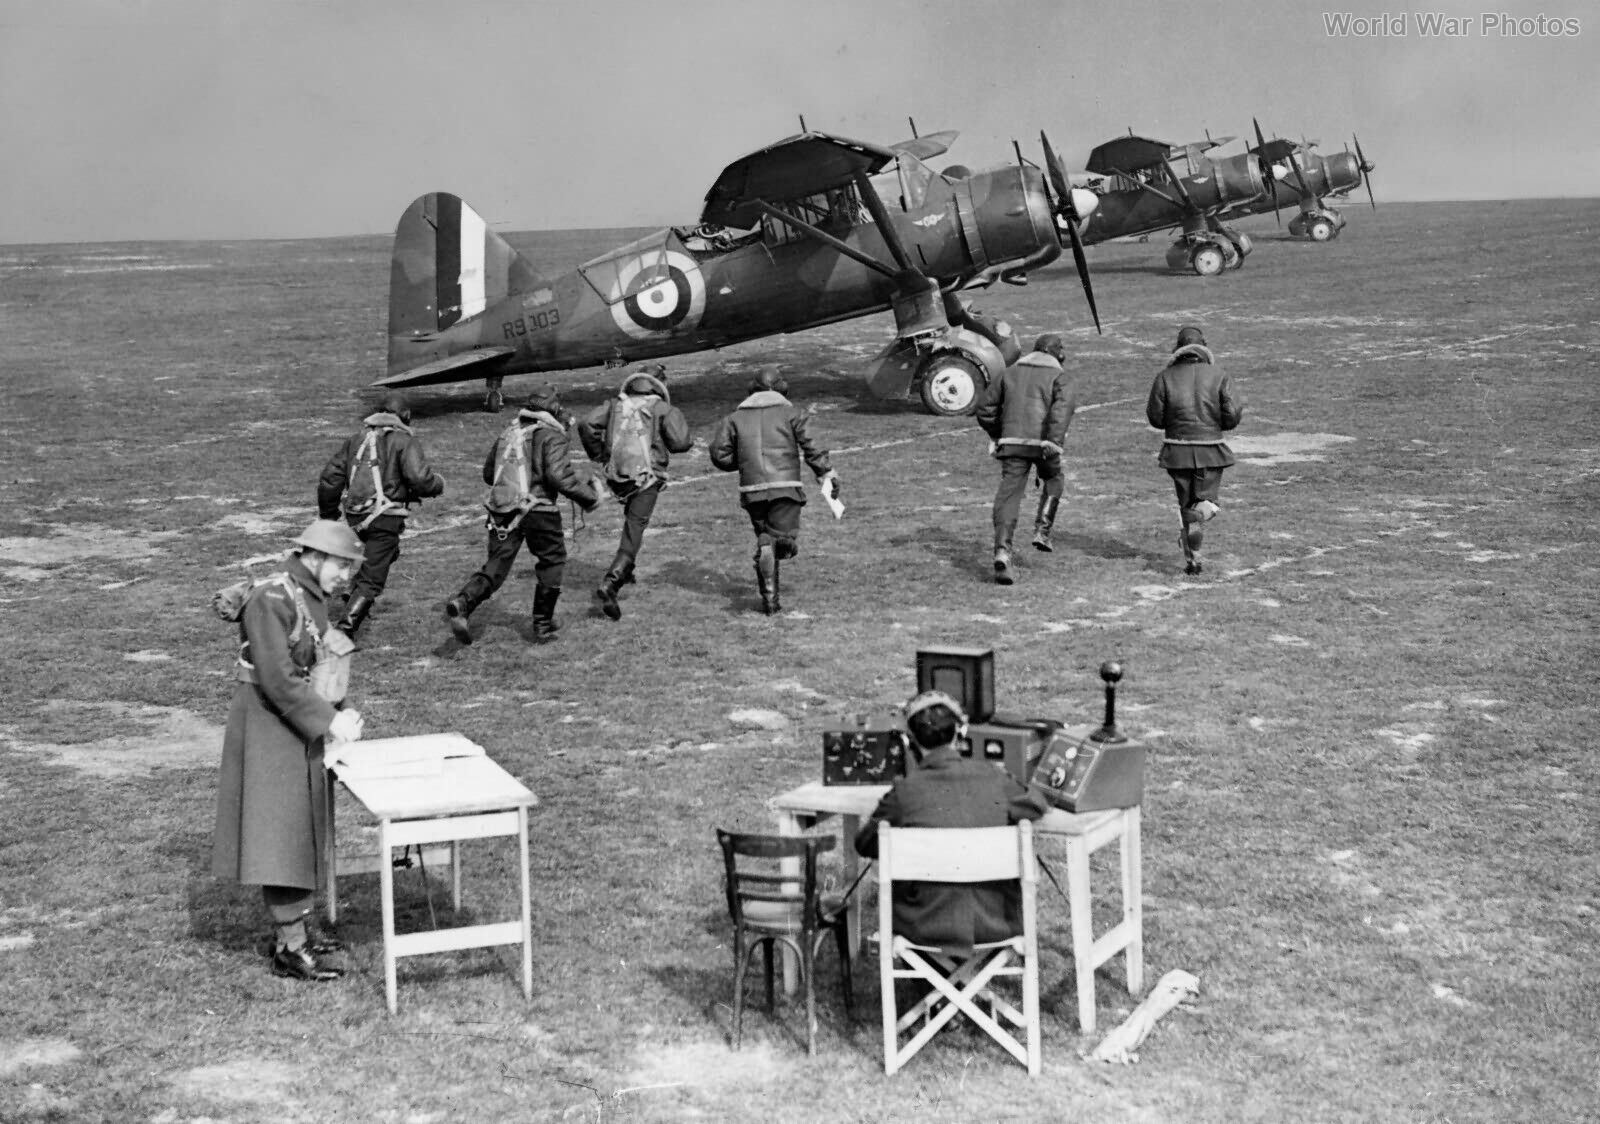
x: 1238, y: 180
x: 1343, y: 171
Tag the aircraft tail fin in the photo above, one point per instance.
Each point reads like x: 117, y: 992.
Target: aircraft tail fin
x: 447, y: 267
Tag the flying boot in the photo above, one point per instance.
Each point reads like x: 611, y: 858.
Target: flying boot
x: 1003, y: 574
x: 544, y: 613
x: 1044, y: 521
x: 767, y: 578
x: 355, y: 612
x: 459, y: 608
x: 1189, y: 536
x: 605, y: 597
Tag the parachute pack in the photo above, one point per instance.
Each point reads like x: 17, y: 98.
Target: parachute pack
x: 363, y: 494
x: 512, y: 489
x: 630, y: 436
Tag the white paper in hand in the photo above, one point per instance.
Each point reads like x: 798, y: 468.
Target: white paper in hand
x: 834, y: 505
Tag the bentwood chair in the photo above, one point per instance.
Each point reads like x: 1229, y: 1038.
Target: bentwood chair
x: 955, y: 984
x: 771, y: 907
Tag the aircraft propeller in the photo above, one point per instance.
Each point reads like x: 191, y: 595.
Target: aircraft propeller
x: 1366, y: 170
x: 1068, y: 210
x: 1266, y: 170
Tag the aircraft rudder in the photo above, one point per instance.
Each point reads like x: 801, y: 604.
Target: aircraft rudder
x: 447, y: 267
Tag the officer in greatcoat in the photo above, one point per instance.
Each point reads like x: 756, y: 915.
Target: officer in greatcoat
x: 272, y: 791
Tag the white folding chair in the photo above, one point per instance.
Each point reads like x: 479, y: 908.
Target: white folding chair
x: 959, y: 986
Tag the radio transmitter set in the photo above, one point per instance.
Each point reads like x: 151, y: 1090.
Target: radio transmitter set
x: 873, y: 751
x: 1103, y: 770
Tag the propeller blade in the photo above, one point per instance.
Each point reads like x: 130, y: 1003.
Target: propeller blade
x: 1366, y: 171
x: 1266, y: 170
x: 1068, y: 210
x: 1305, y: 188
x: 1183, y: 192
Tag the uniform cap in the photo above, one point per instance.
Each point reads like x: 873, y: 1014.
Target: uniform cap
x: 769, y: 378
x: 1052, y: 345
x: 333, y: 538
x: 1187, y: 336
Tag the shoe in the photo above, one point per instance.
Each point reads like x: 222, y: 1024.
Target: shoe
x: 1044, y: 521
x: 300, y: 964
x: 322, y: 943
x: 1193, y: 567
x: 1041, y: 540
x: 455, y: 615
x: 1002, y: 568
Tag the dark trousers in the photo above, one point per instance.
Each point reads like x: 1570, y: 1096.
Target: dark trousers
x: 1194, y: 485
x: 637, y: 508
x: 540, y: 530
x: 381, y: 540
x: 1013, y: 483
x: 776, y: 521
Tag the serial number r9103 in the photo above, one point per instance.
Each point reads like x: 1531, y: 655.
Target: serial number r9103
x: 533, y: 322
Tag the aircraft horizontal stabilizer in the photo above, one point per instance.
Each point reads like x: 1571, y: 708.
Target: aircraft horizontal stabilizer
x: 449, y: 369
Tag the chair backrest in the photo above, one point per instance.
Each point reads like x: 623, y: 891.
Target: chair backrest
x: 751, y: 864
x: 956, y: 854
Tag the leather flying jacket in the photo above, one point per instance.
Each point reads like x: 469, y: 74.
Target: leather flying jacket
x: 1032, y: 402
x: 549, y: 457
x: 403, y: 466
x: 764, y: 439
x: 1192, y: 401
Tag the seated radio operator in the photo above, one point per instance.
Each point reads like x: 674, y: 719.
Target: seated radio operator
x: 945, y: 789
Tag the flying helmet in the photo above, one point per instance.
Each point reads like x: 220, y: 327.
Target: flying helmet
x: 332, y: 538
x: 1187, y: 336
x: 1052, y: 345
x: 931, y: 699
x: 769, y: 378
x: 397, y: 404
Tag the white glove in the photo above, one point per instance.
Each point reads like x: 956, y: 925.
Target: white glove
x: 345, y: 727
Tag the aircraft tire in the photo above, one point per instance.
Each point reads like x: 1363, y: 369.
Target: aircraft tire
x: 1320, y: 230
x: 951, y: 385
x: 1208, y: 260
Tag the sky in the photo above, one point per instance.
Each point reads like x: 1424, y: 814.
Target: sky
x: 231, y: 119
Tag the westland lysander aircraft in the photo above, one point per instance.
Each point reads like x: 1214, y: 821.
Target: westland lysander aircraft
x: 809, y: 231
x: 1145, y: 185
x: 1304, y: 179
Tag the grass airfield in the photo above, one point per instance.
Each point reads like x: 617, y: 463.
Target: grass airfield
x: 1370, y: 803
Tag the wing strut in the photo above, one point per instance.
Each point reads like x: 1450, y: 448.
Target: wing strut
x: 824, y: 237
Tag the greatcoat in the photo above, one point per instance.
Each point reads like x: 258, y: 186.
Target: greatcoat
x: 272, y: 789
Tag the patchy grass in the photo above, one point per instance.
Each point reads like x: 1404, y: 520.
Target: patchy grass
x: 1369, y: 819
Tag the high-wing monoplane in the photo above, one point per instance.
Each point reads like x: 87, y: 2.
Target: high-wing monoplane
x: 1146, y: 185
x: 811, y: 230
x: 1304, y: 179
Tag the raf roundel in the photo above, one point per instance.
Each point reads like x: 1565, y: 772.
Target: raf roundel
x: 658, y: 292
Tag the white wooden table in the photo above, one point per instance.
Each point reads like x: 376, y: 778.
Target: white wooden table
x: 431, y: 789
x: 1082, y: 834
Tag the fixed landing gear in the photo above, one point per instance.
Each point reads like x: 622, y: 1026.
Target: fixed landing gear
x: 1208, y: 253
x: 1318, y: 226
x: 950, y: 384
x: 493, y: 399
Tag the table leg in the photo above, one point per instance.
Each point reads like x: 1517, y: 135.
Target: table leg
x: 455, y: 865
x: 789, y: 824
x: 852, y: 867
x: 330, y: 858
x: 386, y: 879
x: 1133, y: 898
x: 527, y: 903
x: 1081, y: 905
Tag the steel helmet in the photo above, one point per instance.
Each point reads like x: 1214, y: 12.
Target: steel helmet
x: 332, y: 538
